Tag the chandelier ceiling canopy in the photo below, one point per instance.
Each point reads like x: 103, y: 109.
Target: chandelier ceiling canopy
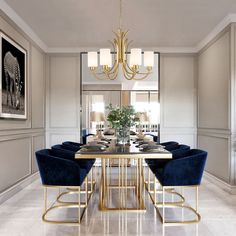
x: 110, y: 63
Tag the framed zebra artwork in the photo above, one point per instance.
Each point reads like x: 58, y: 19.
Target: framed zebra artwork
x: 13, y: 97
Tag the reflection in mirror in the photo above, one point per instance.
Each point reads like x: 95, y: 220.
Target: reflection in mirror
x: 97, y: 94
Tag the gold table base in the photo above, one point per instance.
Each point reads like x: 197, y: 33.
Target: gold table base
x: 129, y: 179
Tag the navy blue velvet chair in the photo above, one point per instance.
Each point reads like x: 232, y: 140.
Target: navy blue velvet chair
x: 170, y: 145
x: 66, y: 151
x: 180, y: 151
x: 61, y: 151
x: 56, y: 172
x: 71, y: 147
x: 182, y: 172
x: 73, y: 143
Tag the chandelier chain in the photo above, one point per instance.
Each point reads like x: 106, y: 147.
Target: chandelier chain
x: 120, y: 18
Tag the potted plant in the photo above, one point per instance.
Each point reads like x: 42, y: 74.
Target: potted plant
x: 122, y: 119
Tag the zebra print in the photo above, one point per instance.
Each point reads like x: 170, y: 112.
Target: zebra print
x: 12, y: 77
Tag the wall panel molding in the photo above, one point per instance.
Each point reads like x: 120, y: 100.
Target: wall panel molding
x: 178, y: 98
x: 17, y: 165
x: 17, y: 136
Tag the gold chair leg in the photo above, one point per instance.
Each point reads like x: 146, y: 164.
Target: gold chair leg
x: 79, y: 205
x: 163, y: 205
x: 86, y: 191
x: 76, y: 189
x: 45, y: 199
x: 172, y: 205
x: 149, y: 175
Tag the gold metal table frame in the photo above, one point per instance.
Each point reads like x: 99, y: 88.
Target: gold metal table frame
x: 122, y: 187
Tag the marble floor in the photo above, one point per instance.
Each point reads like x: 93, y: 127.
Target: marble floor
x: 21, y: 215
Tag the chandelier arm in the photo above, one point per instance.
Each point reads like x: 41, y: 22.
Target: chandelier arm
x: 144, y: 77
x: 128, y: 75
x: 109, y: 74
x: 127, y: 67
x: 99, y: 77
x: 105, y: 76
x: 114, y: 75
x: 114, y: 67
x: 131, y: 75
x: 128, y: 71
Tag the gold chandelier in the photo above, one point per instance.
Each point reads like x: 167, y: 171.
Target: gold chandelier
x: 131, y: 69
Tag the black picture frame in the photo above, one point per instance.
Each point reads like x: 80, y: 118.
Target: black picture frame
x: 13, y: 79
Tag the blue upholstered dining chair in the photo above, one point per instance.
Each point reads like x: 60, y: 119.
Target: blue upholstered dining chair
x: 61, y: 151
x: 154, y: 164
x: 64, y: 151
x: 71, y: 147
x: 59, y: 173
x: 171, y: 145
x: 182, y: 172
x: 180, y: 151
x: 73, y: 143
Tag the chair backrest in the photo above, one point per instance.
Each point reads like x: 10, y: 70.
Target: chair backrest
x: 187, y: 170
x: 73, y: 143
x: 181, y: 151
x: 171, y: 146
x: 71, y: 147
x: 59, y: 151
x: 58, y: 171
x: 169, y: 143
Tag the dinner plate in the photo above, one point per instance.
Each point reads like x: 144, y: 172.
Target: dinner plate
x: 98, y: 147
x: 83, y: 150
x: 157, y: 150
x: 151, y: 146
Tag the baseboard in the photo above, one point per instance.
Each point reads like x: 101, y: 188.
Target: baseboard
x: 220, y: 183
x: 17, y: 187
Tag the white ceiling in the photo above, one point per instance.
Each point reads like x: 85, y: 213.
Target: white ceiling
x: 152, y: 23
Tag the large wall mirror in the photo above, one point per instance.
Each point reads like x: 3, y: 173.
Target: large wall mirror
x: 144, y: 95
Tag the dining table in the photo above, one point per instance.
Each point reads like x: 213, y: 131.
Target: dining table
x: 122, y: 184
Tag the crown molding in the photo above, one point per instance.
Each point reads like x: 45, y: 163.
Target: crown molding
x: 157, y: 49
x: 230, y: 18
x: 22, y: 25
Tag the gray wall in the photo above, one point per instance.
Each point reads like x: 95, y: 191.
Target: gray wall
x: 63, y: 98
x: 19, y: 139
x: 178, y: 98
x: 214, y: 101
